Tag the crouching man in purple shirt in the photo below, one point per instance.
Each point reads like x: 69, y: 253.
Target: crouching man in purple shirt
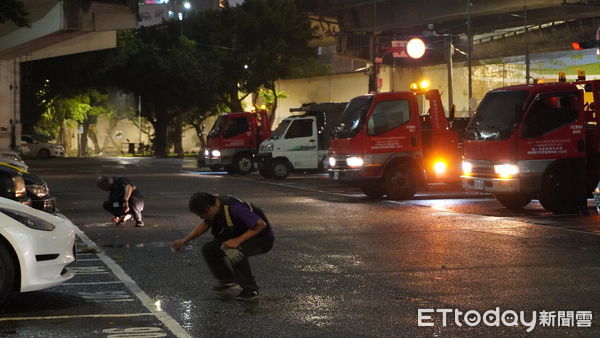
x: 241, y: 230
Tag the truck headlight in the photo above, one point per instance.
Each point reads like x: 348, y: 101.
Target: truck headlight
x: 355, y: 162
x: 506, y: 170
x: 216, y: 153
x: 332, y: 161
x: 28, y: 220
x: 467, y: 168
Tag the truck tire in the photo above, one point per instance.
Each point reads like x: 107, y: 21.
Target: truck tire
x: 555, y: 192
x: 280, y: 169
x: 513, y: 201
x: 372, y: 188
x: 243, y: 164
x: 400, y: 183
x: 7, y: 273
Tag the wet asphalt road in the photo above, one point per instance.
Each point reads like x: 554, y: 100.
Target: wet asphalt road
x: 342, y: 265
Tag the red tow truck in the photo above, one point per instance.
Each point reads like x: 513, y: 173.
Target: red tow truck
x: 387, y: 147
x: 535, y: 141
x: 233, y: 141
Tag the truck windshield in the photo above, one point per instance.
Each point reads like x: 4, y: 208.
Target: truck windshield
x: 216, y: 129
x: 497, y: 115
x: 353, y: 117
x: 281, y: 127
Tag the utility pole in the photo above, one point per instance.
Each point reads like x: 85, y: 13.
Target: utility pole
x: 450, y: 73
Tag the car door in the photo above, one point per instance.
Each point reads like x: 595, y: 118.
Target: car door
x: 301, y: 143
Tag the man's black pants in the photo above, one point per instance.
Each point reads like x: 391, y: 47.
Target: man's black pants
x: 215, y: 259
x: 136, y: 206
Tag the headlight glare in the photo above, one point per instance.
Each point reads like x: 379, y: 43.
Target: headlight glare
x: 216, y: 153
x: 332, y: 162
x: 467, y: 168
x: 206, y: 152
x: 355, y: 161
x: 440, y: 167
x: 28, y: 220
x: 506, y: 170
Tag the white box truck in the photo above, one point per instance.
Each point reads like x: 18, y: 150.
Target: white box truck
x: 300, y: 142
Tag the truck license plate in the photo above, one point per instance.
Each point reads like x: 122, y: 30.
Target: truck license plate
x: 478, y: 184
x: 336, y: 175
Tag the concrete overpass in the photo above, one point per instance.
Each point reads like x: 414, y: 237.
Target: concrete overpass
x: 497, y: 27
x: 57, y: 28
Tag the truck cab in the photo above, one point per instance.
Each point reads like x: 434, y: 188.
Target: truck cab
x: 536, y: 141
x: 387, y: 147
x: 300, y: 142
x: 233, y: 140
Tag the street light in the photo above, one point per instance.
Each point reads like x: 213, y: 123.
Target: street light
x: 415, y: 48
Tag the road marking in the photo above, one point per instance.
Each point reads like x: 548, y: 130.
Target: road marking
x: 167, y: 320
x: 93, y: 283
x: 106, y: 315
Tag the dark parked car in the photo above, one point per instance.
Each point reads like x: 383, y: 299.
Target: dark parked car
x: 26, y: 188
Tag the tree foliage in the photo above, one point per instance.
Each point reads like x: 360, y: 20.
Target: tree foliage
x: 14, y: 10
x: 185, y: 71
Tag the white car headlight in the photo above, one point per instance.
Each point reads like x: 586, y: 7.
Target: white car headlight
x: 37, y: 190
x: 467, y: 168
x: 332, y: 162
x: 268, y: 147
x: 206, y: 152
x: 28, y: 220
x: 216, y: 153
x: 355, y: 161
x: 506, y: 170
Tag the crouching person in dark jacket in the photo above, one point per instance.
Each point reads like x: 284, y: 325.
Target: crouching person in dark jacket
x: 240, y: 230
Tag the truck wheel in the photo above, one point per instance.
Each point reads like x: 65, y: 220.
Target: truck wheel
x: 243, y: 164
x: 555, y: 192
x: 372, y: 189
x: 7, y: 273
x: 513, y: 201
x: 400, y: 183
x: 280, y: 169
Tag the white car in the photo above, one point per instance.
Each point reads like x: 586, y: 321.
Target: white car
x: 43, y: 149
x: 35, y: 248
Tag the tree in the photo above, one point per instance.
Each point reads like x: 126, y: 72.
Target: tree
x: 253, y: 45
x: 169, y: 73
x: 14, y: 10
x: 92, y: 104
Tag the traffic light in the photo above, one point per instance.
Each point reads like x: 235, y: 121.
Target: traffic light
x: 579, y: 45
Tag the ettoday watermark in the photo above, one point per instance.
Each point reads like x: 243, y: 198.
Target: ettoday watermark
x: 497, y: 317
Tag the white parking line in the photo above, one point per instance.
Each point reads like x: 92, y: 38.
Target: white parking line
x: 93, y: 283
x: 167, y: 320
x: 107, y: 315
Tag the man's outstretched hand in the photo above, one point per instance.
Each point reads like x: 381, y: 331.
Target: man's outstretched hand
x: 177, y: 245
